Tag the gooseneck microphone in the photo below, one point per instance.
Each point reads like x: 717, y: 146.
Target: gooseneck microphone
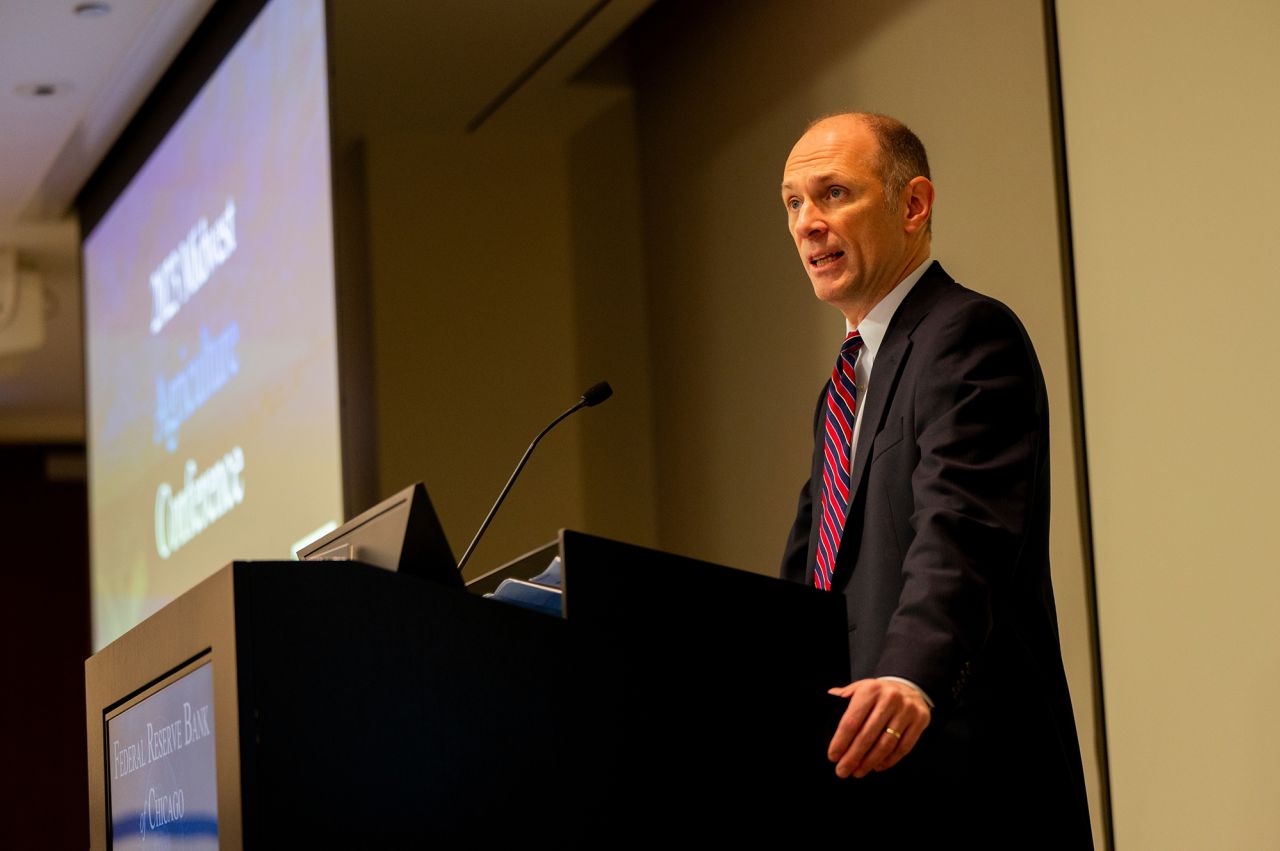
x: 592, y: 396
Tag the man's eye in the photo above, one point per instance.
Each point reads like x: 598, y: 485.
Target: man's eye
x: 836, y: 192
x: 793, y: 204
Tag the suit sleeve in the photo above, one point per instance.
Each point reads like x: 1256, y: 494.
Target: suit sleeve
x: 981, y: 426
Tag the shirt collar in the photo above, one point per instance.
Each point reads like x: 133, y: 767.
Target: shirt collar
x: 876, y: 322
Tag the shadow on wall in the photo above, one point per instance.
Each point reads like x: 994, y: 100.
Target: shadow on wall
x: 810, y: 30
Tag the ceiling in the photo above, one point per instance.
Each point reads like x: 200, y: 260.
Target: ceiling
x: 69, y: 82
x: 73, y: 73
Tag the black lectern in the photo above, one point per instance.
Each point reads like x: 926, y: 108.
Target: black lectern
x: 334, y: 703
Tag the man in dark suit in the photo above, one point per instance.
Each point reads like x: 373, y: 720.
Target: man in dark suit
x: 928, y: 507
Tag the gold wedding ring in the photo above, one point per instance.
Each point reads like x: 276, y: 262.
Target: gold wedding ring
x: 893, y: 732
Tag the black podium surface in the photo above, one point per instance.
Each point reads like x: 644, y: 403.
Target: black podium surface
x: 363, y: 708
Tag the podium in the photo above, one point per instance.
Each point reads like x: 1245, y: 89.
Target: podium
x: 351, y: 706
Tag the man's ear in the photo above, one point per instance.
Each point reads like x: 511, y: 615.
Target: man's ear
x: 919, y: 204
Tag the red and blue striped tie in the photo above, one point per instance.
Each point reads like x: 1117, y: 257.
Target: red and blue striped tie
x: 842, y: 407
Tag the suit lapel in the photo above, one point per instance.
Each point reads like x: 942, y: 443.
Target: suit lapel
x: 890, y: 359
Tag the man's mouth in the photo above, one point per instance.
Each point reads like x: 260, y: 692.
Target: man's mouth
x: 823, y: 259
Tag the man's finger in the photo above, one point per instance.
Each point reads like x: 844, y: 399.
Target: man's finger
x: 851, y: 723
x: 885, y: 704
x: 892, y: 743
x: 909, y: 738
x: 863, y: 743
x: 885, y: 745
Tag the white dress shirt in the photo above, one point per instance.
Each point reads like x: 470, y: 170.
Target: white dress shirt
x: 872, y: 328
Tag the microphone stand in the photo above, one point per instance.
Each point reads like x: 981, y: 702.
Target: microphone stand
x: 594, y: 396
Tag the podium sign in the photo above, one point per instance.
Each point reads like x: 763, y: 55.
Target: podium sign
x: 163, y: 790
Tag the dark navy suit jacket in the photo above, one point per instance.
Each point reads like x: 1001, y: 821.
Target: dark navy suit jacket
x: 944, y: 564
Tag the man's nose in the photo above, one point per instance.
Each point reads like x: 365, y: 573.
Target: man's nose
x: 809, y: 221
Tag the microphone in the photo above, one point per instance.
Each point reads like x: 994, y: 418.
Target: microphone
x: 592, y: 396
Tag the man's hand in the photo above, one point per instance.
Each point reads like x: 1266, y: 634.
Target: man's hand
x: 864, y: 739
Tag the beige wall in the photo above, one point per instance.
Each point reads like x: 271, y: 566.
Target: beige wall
x: 1172, y: 119
x: 477, y: 340
x: 470, y: 308
x: 741, y: 347
x: 506, y: 279
x: 611, y: 312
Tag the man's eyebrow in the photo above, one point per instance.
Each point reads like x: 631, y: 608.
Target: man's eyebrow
x: 827, y: 177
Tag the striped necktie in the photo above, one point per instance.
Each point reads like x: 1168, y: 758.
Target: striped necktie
x: 842, y: 406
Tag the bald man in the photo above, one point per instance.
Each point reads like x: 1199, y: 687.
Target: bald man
x: 927, y: 507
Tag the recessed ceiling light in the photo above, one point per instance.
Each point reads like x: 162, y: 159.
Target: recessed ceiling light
x: 40, y: 90
x: 92, y: 10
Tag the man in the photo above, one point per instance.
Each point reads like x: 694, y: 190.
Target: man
x: 928, y: 507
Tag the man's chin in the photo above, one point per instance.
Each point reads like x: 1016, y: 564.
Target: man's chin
x: 834, y: 293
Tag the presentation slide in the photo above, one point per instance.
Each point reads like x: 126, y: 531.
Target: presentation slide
x: 212, y: 348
